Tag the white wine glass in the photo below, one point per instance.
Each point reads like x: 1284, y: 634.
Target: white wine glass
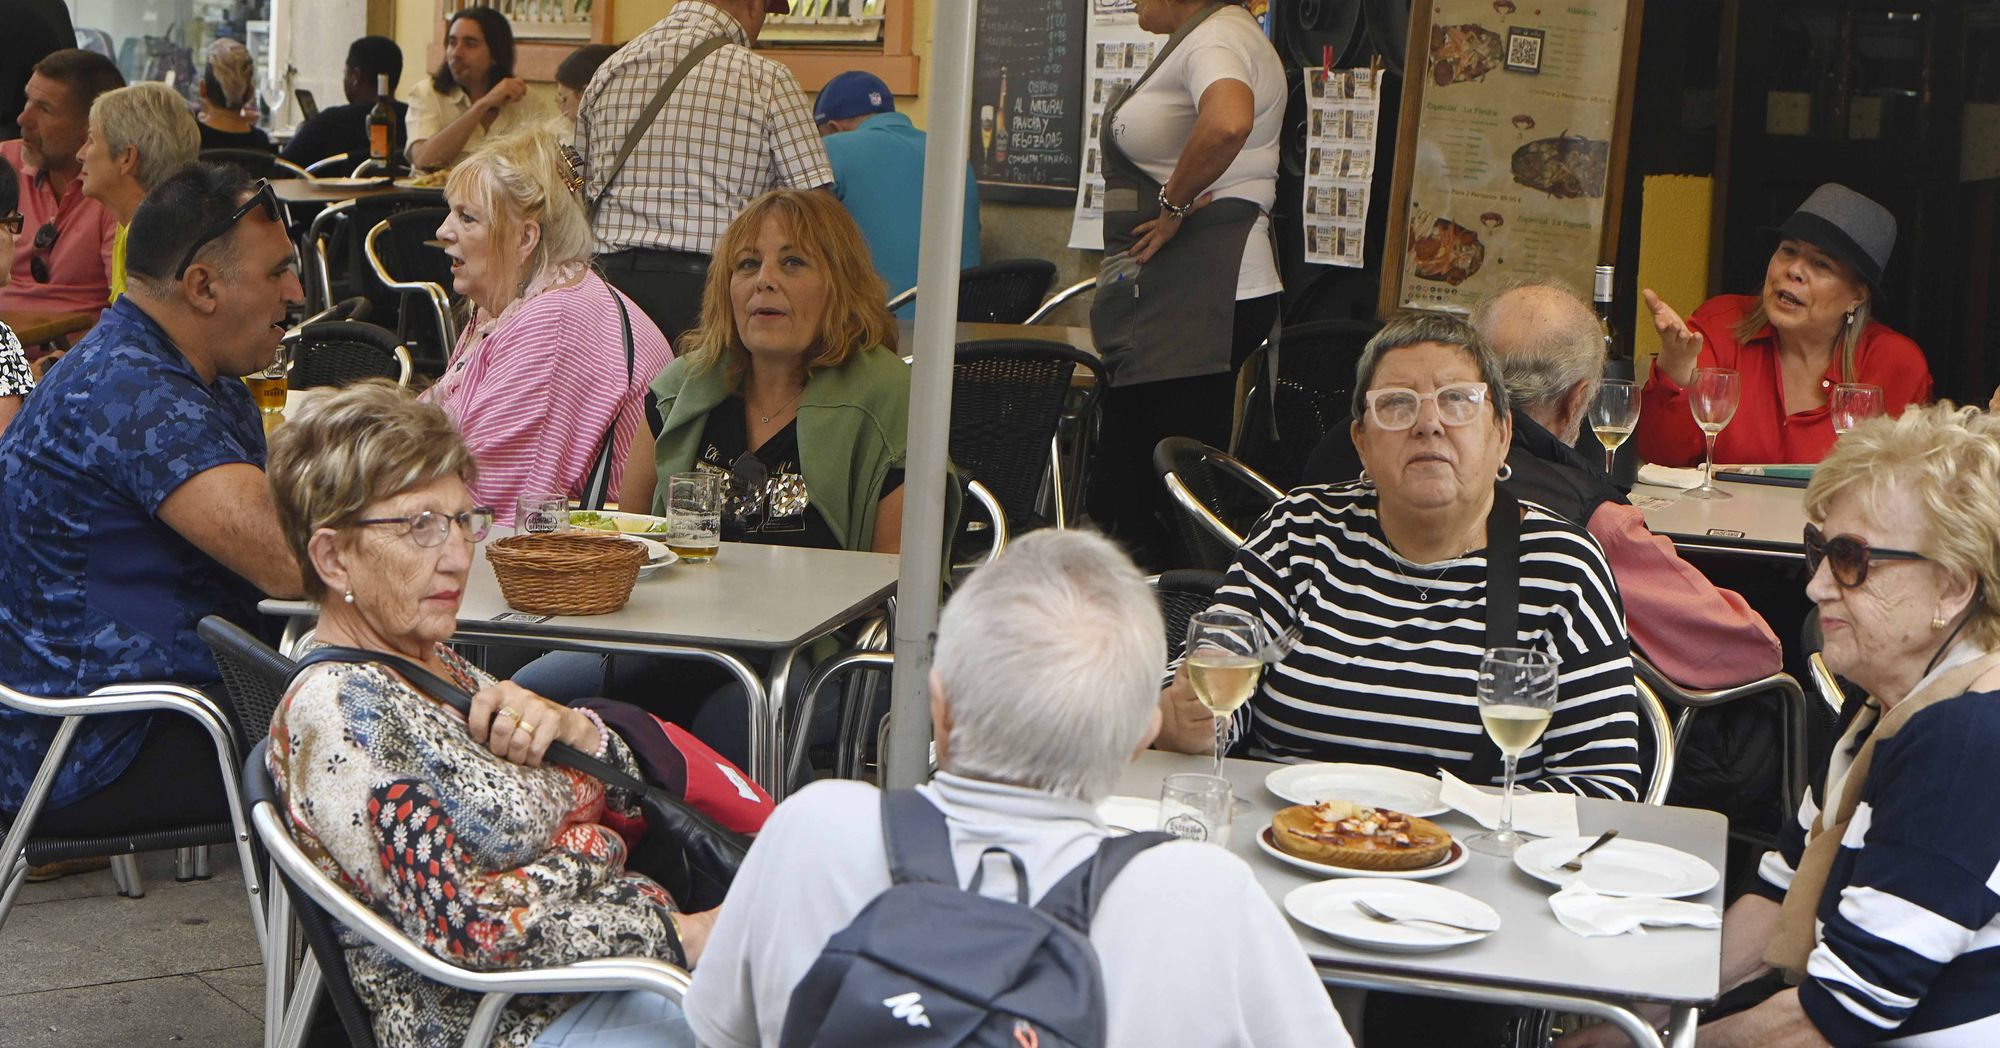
x: 1852, y: 404
x: 1517, y: 696
x: 1713, y: 399
x: 1613, y: 415
x: 1225, y: 656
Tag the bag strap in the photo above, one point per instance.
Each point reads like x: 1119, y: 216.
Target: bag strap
x: 918, y: 840
x: 598, y: 483
x: 1503, y: 570
x: 646, y: 116
x: 1074, y: 899
x: 1160, y: 57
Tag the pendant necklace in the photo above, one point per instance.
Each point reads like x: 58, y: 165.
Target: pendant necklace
x: 766, y: 419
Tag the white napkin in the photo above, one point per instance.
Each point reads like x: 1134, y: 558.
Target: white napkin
x: 1587, y: 913
x: 1669, y: 477
x: 1536, y: 812
x: 1429, y: 907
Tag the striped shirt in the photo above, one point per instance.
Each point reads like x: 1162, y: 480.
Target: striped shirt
x: 1387, y: 663
x: 735, y: 128
x: 534, y: 397
x: 1909, y: 949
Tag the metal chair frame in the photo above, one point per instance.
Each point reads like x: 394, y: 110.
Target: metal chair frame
x: 1825, y: 684
x: 1061, y: 485
x: 1792, y: 712
x: 1209, y: 522
x: 1654, y: 713
x: 326, y: 163
x: 440, y: 301
x: 1042, y: 311
x: 902, y: 298
x: 405, y: 367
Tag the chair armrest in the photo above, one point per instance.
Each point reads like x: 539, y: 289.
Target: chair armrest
x: 1825, y: 683
x: 1213, y: 524
x: 1229, y: 464
x: 326, y: 163
x: 821, y: 675
x: 901, y: 299
x: 1042, y: 311
x: 1699, y: 699
x: 405, y: 368
x: 285, y: 165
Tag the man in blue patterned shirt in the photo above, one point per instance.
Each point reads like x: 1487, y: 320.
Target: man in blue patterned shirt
x: 133, y: 503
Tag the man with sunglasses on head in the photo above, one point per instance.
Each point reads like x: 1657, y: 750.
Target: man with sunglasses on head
x: 133, y: 503
x: 62, y: 257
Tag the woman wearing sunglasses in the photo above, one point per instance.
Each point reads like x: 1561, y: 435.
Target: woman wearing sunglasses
x: 1875, y: 918
x: 1386, y: 580
x: 16, y: 381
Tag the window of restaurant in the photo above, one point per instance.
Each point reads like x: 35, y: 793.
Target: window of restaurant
x: 166, y: 39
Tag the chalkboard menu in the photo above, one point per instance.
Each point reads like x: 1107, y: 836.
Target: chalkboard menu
x: 1027, y: 99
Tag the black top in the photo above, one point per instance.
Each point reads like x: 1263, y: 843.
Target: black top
x: 255, y: 138
x: 342, y: 129
x: 779, y: 511
x: 1554, y: 475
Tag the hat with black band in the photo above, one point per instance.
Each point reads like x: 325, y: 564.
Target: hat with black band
x: 1850, y: 227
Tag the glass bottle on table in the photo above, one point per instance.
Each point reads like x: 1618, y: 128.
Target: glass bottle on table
x: 1517, y: 696
x: 1225, y: 656
x: 382, y: 125
x: 1713, y: 398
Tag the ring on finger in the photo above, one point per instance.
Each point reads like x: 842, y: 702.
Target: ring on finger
x: 508, y: 712
x: 524, y: 727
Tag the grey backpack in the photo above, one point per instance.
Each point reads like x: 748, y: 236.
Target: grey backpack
x: 928, y: 963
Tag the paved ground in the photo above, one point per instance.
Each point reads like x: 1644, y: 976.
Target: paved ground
x: 81, y: 967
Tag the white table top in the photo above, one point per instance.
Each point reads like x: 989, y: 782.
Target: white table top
x: 1762, y: 518
x: 1531, y: 950
x: 750, y: 596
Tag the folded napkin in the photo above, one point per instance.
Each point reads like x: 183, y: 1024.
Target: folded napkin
x: 1587, y: 913
x: 1669, y: 477
x: 1535, y: 812
x: 1434, y: 907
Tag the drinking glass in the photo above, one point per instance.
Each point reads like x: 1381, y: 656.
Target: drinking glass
x: 1613, y: 415
x: 1713, y: 399
x: 1852, y: 404
x: 541, y: 512
x: 694, y: 515
x: 1517, y: 696
x: 1225, y: 655
x: 1196, y: 807
x: 269, y: 388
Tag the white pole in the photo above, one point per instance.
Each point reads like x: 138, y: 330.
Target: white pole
x: 950, y: 105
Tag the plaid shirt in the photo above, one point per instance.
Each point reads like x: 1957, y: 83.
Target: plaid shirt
x: 736, y: 127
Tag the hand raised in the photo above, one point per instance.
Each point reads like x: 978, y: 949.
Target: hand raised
x: 505, y: 93
x: 1679, y: 346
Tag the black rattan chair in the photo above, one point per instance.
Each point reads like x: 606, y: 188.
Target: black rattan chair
x: 1003, y: 292
x: 1283, y: 422
x: 1007, y: 397
x: 1182, y: 592
x: 335, y: 353
x: 336, y: 253
x: 404, y: 255
x: 257, y: 162
x: 1215, y: 500
x: 254, y: 675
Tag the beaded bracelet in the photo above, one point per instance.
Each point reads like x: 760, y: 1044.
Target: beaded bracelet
x: 603, y: 733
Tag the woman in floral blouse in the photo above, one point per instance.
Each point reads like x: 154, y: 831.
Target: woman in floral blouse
x: 15, y: 381
x: 448, y: 825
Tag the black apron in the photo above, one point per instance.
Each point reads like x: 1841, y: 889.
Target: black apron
x: 1174, y: 317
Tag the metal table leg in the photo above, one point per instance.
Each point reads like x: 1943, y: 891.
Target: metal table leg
x: 1627, y: 1020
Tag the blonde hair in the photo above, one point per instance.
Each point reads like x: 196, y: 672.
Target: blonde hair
x: 349, y: 449
x: 232, y: 72
x: 516, y: 179
x: 1948, y: 459
x: 151, y: 118
x: 856, y: 316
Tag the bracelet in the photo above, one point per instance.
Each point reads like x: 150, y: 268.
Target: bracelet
x: 603, y: 733
x: 1171, y: 208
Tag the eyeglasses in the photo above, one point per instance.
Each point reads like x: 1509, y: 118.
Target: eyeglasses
x: 1396, y: 408
x: 430, y: 528
x: 45, y: 239
x: 1848, y: 556
x: 13, y: 222
x: 261, y: 195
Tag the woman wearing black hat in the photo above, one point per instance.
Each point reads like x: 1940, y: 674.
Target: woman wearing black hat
x: 1806, y: 330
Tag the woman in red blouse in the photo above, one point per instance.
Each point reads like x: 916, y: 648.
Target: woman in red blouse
x: 1806, y: 330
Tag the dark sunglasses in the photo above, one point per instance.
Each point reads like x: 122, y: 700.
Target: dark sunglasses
x: 1848, y: 556
x: 45, y: 238
x: 261, y: 195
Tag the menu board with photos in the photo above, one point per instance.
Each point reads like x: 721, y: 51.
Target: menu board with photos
x: 1512, y: 145
x: 1027, y: 112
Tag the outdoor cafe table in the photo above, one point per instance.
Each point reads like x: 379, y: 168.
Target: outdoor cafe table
x: 323, y: 191
x: 1532, y: 961
x: 1758, y: 520
x: 766, y: 603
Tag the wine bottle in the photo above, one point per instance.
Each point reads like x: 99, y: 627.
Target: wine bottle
x: 1600, y: 301
x: 1618, y: 364
x: 1000, y: 125
x: 381, y: 124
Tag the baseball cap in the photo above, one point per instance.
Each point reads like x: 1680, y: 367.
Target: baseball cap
x: 853, y: 93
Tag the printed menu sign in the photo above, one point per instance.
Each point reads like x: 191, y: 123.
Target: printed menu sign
x: 1027, y: 116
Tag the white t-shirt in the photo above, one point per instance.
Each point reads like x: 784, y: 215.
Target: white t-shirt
x: 1193, y: 952
x: 1153, y: 125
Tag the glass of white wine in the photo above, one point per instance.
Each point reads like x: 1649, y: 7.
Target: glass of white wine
x: 1713, y: 399
x: 1613, y: 415
x: 1225, y: 655
x: 1517, y: 696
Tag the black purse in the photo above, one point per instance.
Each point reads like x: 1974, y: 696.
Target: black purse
x: 691, y: 855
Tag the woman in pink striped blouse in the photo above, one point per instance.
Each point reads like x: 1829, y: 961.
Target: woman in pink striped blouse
x: 540, y: 373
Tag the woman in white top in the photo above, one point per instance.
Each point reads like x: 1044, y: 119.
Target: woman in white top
x: 1191, y: 170
x: 473, y: 94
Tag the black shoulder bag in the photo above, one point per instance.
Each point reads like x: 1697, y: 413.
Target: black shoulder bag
x: 1503, y: 600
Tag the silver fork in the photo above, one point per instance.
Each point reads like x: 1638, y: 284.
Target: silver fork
x: 1576, y: 865
x: 1374, y: 914
x: 1278, y: 649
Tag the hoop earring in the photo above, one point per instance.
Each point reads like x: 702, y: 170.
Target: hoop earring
x: 1366, y: 480
x: 1506, y: 472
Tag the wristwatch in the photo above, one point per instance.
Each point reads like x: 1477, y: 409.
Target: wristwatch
x: 1171, y: 208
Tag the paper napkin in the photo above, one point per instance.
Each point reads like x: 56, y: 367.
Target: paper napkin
x: 1536, y: 812
x: 1669, y: 477
x: 1587, y: 913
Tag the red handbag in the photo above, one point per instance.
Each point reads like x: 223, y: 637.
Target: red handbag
x: 672, y: 758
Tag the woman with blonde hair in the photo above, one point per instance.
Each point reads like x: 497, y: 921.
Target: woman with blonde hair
x: 227, y: 87
x: 553, y: 359
x: 138, y: 135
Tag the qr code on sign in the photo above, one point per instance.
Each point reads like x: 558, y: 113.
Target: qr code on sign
x: 1524, y: 50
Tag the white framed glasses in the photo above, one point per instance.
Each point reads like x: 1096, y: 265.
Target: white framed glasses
x: 1395, y: 408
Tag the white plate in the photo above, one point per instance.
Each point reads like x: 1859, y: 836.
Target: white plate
x: 1328, y: 906
x: 350, y: 183
x: 1130, y: 814
x: 1622, y: 867
x: 1364, y: 784
x: 628, y: 523
x: 1452, y: 860
x: 657, y: 554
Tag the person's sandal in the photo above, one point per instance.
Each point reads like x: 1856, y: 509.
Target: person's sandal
x: 57, y: 870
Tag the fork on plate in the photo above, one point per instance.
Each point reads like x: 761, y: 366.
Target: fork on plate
x: 1376, y: 915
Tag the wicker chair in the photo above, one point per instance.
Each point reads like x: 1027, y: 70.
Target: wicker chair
x: 404, y: 255
x: 257, y: 162
x: 1007, y: 398
x: 335, y: 353
x: 996, y: 293
x: 1215, y: 500
x: 1283, y: 422
x: 1182, y: 593
x: 336, y: 255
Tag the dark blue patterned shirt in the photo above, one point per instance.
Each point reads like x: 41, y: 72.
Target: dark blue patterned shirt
x: 94, y: 588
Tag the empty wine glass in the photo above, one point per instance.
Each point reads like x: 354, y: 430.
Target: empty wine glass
x: 1713, y: 399
x: 1613, y: 414
x: 1225, y: 657
x: 1852, y: 404
x: 1517, y: 696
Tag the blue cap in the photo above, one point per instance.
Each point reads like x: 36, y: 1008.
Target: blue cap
x: 853, y: 93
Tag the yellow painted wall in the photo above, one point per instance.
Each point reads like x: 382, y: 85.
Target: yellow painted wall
x: 1673, y: 252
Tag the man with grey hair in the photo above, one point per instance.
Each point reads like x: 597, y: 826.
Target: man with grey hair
x: 1044, y: 687
x: 1551, y: 350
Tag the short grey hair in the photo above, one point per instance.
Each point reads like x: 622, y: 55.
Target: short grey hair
x: 151, y: 118
x: 1050, y: 659
x: 1561, y: 354
x: 1414, y: 328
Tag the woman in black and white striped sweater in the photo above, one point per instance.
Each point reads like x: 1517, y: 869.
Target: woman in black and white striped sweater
x: 1386, y: 580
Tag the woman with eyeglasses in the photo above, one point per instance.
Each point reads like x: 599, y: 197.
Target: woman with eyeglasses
x: 16, y: 381
x: 1386, y: 580
x: 1875, y: 918
x: 447, y: 824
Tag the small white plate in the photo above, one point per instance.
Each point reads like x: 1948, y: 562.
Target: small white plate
x: 1127, y: 815
x: 657, y: 554
x: 1621, y: 867
x: 350, y: 183
x: 1452, y: 860
x: 1364, y: 784
x: 1328, y: 906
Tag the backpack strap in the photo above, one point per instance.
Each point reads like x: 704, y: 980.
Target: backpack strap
x: 1074, y: 899
x: 646, y: 116
x: 917, y: 838
x: 1503, y: 570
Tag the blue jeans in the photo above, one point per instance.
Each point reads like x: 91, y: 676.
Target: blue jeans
x: 620, y: 1019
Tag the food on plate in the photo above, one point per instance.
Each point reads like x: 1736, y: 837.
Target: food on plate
x: 1447, y: 251
x: 631, y: 525
x: 1460, y: 53
x: 427, y: 179
x: 1342, y: 833
x: 1564, y: 167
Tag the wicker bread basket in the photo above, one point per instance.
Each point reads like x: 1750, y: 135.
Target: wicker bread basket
x: 563, y: 574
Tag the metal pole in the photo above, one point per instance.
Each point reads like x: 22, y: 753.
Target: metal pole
x: 907, y: 761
